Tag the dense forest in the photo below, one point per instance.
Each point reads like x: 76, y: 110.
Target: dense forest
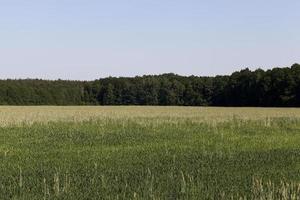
x: 275, y: 87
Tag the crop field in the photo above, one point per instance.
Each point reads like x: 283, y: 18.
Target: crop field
x: 132, y: 152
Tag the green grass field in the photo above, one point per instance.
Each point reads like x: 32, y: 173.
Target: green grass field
x: 149, y: 153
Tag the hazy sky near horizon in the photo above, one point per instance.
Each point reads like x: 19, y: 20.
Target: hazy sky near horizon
x: 89, y: 39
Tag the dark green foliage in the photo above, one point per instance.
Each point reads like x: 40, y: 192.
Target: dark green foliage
x: 41, y: 92
x: 276, y: 87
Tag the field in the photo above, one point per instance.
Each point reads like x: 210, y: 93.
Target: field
x: 149, y: 153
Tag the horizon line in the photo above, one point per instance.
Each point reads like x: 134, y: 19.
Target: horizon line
x: 135, y: 76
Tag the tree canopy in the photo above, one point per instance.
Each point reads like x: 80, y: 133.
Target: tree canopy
x: 274, y: 87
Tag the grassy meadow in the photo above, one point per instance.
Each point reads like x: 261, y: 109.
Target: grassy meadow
x: 132, y: 152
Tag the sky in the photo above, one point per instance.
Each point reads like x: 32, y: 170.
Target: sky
x: 91, y: 39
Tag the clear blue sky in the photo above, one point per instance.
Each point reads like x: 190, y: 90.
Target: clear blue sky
x: 88, y: 39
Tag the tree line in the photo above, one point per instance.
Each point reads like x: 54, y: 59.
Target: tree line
x: 275, y: 87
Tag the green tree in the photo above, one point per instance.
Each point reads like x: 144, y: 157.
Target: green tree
x: 108, y: 95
